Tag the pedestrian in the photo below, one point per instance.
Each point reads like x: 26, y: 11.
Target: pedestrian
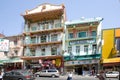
x: 102, y: 75
x: 69, y: 76
x: 1, y: 75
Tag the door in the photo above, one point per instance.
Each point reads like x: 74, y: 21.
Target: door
x: 80, y: 71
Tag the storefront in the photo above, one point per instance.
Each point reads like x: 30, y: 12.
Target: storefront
x: 82, y: 67
x: 111, y: 64
x: 44, y: 62
x: 11, y: 63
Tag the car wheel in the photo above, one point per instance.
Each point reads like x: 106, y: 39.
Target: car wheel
x: 53, y: 75
x: 118, y: 77
x: 37, y: 75
x: 20, y: 79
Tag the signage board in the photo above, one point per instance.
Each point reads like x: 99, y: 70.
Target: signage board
x: 91, y: 41
x: 4, y: 45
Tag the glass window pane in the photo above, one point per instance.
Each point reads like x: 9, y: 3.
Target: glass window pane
x: 54, y: 37
x: 77, y: 49
x: 70, y: 35
x: 69, y: 49
x: 86, y: 49
x: 54, y: 51
x: 94, y: 33
x: 82, y: 34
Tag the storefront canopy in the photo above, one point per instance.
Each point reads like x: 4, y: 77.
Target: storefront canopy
x: 41, y: 57
x: 10, y: 60
x: 111, y: 60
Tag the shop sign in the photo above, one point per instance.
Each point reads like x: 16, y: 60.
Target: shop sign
x: 4, y: 45
x: 82, y: 42
x: 40, y: 61
x: 81, y: 62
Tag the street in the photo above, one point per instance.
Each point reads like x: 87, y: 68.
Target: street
x: 75, y: 77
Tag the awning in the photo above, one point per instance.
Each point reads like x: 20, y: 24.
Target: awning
x: 11, y: 60
x: 111, y: 64
x: 41, y: 57
x: 111, y: 60
x: 2, y: 60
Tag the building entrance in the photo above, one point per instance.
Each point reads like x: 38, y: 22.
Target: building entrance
x: 78, y: 70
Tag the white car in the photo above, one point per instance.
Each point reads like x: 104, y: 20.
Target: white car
x: 114, y: 74
x: 48, y: 72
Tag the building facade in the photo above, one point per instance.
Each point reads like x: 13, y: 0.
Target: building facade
x: 3, y: 49
x: 44, y: 36
x: 14, y: 53
x: 83, y: 45
x: 111, y: 49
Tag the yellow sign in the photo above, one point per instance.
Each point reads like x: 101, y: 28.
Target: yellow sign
x: 111, y: 60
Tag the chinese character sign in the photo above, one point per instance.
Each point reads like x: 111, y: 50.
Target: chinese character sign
x: 4, y: 45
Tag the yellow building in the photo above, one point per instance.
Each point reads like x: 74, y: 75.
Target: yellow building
x: 110, y: 48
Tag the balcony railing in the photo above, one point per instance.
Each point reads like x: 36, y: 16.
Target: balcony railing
x: 87, y: 37
x: 44, y: 27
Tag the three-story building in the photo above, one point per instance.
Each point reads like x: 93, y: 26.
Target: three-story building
x: 83, y: 45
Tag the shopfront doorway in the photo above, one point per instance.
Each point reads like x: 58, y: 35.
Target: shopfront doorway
x: 78, y: 70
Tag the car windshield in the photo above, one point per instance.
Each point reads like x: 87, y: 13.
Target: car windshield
x: 24, y: 72
x: 112, y: 72
x: 52, y: 70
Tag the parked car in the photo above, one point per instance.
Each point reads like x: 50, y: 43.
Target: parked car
x: 18, y: 75
x: 114, y: 74
x: 48, y: 72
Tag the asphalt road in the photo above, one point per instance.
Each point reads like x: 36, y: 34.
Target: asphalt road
x: 75, y: 77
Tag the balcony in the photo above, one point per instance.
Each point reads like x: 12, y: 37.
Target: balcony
x: 44, y: 29
x: 46, y: 43
x: 82, y: 38
x: 43, y: 43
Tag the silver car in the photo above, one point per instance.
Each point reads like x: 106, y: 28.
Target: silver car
x: 48, y: 73
x: 114, y: 74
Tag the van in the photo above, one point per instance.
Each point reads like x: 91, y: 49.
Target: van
x: 48, y: 72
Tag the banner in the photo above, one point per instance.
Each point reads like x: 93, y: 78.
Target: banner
x: 4, y: 45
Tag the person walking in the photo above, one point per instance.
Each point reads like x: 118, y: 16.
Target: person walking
x: 1, y: 75
x: 102, y: 75
x: 69, y: 76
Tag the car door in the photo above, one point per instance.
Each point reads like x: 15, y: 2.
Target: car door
x: 115, y: 74
x: 49, y: 72
x: 17, y: 75
x: 13, y: 76
x: 43, y: 73
x: 109, y: 74
x: 7, y: 76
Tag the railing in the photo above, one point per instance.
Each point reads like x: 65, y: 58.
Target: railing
x: 36, y: 41
x: 87, y: 37
x: 43, y: 27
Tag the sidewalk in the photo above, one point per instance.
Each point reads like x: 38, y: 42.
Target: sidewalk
x: 79, y: 76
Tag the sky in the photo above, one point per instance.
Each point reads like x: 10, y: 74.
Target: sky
x: 12, y: 23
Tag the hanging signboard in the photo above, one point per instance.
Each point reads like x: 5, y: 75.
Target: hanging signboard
x: 82, y: 42
x: 4, y: 45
